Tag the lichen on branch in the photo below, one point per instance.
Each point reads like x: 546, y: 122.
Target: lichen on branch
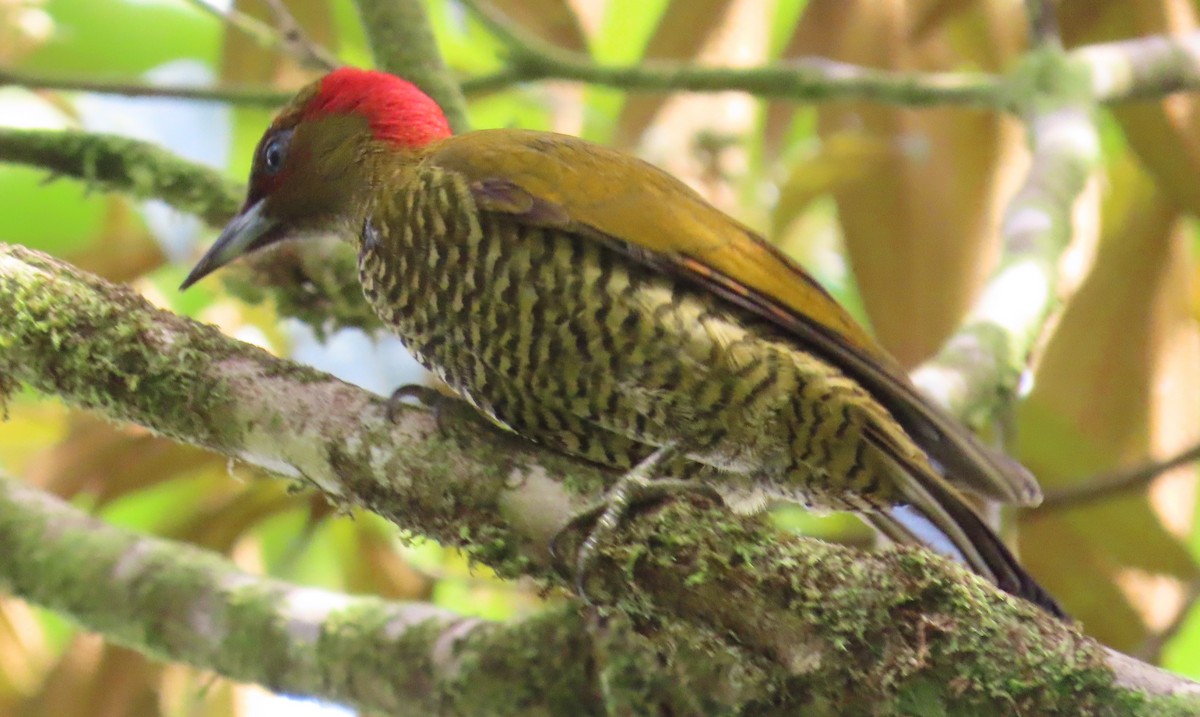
x: 128, y: 166
x: 180, y: 603
x: 316, y: 282
x: 810, y: 619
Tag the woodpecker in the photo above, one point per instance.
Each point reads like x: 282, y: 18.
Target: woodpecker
x: 589, y: 301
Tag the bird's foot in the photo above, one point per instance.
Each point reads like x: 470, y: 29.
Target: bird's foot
x: 427, y: 396
x: 638, y: 486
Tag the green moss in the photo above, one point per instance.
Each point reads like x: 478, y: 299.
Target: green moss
x: 508, y: 670
x: 361, y: 641
x: 460, y: 513
x: 105, y: 351
x: 124, y: 165
x: 901, y: 627
x: 1048, y: 77
x: 105, y: 347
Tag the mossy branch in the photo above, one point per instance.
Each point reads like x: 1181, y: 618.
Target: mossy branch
x: 128, y: 166
x: 529, y: 58
x: 789, y: 621
x: 316, y: 282
x: 180, y: 603
x: 978, y: 371
x: 1123, y: 71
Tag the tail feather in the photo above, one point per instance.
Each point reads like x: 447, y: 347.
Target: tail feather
x: 992, y: 560
x: 934, y: 515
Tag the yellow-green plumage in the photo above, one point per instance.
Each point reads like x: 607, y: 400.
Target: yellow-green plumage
x: 567, y: 342
x: 588, y: 301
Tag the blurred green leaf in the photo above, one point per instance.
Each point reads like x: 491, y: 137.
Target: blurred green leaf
x: 1182, y: 654
x: 621, y: 40
x: 137, y: 35
x: 467, y: 46
x: 55, y: 216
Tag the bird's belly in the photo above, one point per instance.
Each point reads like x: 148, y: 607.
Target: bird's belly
x: 571, y: 344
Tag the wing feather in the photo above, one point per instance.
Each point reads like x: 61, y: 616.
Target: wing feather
x: 631, y: 206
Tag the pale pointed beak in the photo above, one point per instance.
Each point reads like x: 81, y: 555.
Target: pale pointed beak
x: 246, y: 232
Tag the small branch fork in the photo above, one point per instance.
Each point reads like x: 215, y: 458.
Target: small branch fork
x: 287, y: 35
x: 1043, y: 23
x: 299, y: 44
x: 1123, y: 71
x: 1109, y: 485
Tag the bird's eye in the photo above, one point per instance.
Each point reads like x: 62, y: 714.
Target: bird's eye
x: 274, y: 152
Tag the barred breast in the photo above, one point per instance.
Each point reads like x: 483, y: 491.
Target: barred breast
x: 572, y: 344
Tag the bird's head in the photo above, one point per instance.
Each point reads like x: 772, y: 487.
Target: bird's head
x: 316, y: 162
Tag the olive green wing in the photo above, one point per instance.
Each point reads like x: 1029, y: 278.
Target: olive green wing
x: 635, y: 208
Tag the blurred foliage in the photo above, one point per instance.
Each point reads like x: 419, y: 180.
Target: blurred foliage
x: 911, y: 199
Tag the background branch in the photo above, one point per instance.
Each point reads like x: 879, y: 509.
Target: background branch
x: 1143, y: 69
x: 118, y: 164
x: 316, y: 282
x: 176, y: 602
x: 255, y: 97
x: 1125, y: 71
x: 1043, y: 22
x: 810, y: 79
x: 1108, y: 485
x: 1122, y: 71
x: 978, y: 371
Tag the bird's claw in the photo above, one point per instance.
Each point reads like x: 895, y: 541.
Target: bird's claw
x: 430, y: 397
x: 636, y: 487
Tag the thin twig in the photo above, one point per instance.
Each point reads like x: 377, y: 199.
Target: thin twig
x: 1043, y: 23
x: 257, y: 30
x: 809, y: 79
x: 1130, y: 70
x: 261, y: 97
x: 498, y: 81
x: 300, y: 45
x: 288, y: 38
x: 1121, y: 71
x: 1108, y: 485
